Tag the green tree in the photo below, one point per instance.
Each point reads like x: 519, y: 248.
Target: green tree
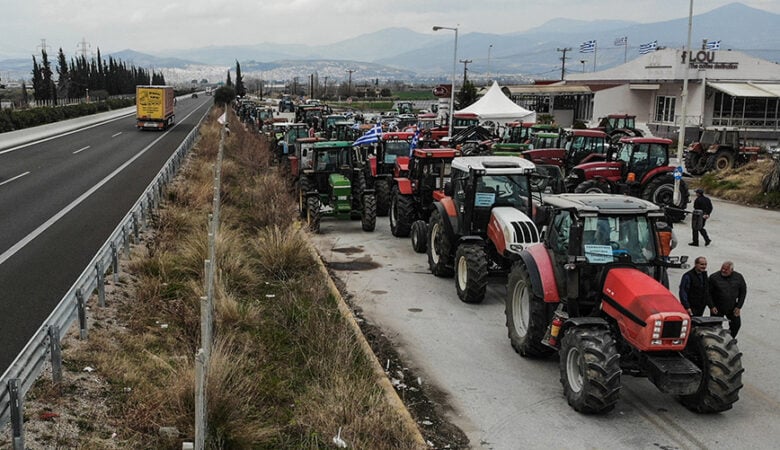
x: 63, y: 76
x: 229, y: 82
x: 37, y: 81
x: 240, y: 88
x: 224, y: 95
x: 466, y: 96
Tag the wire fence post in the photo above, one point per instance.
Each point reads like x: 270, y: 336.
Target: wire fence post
x: 56, y: 353
x: 115, y: 262
x: 200, y: 399
x: 82, y: 315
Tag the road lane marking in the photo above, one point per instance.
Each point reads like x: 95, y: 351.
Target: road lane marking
x: 115, y: 135
x: 14, y: 178
x: 81, y: 150
x: 46, y: 225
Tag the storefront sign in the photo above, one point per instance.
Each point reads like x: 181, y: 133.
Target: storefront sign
x: 704, y: 59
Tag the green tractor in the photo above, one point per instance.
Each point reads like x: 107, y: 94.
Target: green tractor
x: 332, y: 184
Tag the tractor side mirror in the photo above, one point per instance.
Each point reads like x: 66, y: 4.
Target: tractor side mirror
x: 448, y: 189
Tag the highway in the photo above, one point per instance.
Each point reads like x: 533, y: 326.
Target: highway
x: 60, y: 199
x: 505, y: 402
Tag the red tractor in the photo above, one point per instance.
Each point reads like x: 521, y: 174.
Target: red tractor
x: 638, y: 167
x: 577, y: 146
x: 718, y: 149
x: 592, y: 291
x: 379, y: 163
x: 413, y: 193
x: 482, y: 222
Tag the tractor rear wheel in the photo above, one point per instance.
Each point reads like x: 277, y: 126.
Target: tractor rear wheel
x: 382, y: 188
x: 715, y: 352
x: 401, y: 211
x: 419, y: 236
x: 661, y: 192
x: 696, y: 163
x: 590, y: 370
x: 313, y: 213
x: 472, y: 271
x: 722, y: 160
x: 368, y: 214
x: 527, y: 315
x: 593, y: 186
x: 439, y: 246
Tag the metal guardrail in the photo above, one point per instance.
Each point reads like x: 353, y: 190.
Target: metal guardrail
x: 28, y: 365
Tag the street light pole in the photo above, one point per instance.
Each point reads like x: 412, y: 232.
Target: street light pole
x: 684, y: 99
x: 489, y: 49
x: 454, y: 67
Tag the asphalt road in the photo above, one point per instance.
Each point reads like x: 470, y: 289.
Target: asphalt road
x: 60, y: 199
x: 504, y: 401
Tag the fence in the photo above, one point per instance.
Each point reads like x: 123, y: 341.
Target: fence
x: 28, y: 365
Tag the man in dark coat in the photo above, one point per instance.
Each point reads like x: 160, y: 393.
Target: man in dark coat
x: 694, y: 288
x: 704, y: 204
x: 728, y: 291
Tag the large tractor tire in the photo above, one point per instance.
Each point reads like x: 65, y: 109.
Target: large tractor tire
x: 313, y: 213
x: 660, y: 191
x: 527, y: 315
x: 303, y: 187
x: 696, y: 163
x: 382, y: 189
x: 472, y: 271
x: 715, y: 352
x: 401, y: 212
x: 722, y: 160
x: 590, y: 370
x: 593, y: 186
x: 439, y: 247
x: 368, y: 213
x: 419, y: 236
x: 358, y: 186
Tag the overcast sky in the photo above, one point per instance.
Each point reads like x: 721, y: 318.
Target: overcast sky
x: 152, y: 26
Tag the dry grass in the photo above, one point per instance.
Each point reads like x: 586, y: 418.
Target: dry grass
x: 286, y: 371
x: 742, y: 184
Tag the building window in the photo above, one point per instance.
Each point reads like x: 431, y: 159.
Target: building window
x: 664, y: 109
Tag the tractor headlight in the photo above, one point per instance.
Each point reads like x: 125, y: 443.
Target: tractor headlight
x: 657, y: 329
x: 655, y: 342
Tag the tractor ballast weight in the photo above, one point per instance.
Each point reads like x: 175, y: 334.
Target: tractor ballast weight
x: 593, y: 291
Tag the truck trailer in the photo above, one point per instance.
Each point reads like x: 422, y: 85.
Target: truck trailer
x: 154, y: 107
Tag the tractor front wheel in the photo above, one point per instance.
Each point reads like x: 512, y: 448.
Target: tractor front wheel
x: 527, y: 315
x: 661, y: 192
x: 696, y: 163
x: 303, y: 187
x: 368, y: 213
x: 593, y: 186
x: 472, y: 271
x: 439, y: 247
x: 590, y: 370
x: 401, y: 210
x: 715, y: 352
x: 419, y: 236
x: 382, y: 188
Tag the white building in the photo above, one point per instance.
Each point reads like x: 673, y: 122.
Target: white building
x: 725, y: 88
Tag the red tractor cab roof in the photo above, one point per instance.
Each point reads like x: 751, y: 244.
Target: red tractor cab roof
x: 436, y: 153
x: 466, y: 116
x: 645, y: 140
x: 588, y: 133
x: 397, y: 136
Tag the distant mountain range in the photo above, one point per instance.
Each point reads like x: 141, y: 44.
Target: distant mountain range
x: 407, y: 55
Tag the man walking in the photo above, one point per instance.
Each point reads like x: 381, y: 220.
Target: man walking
x: 694, y: 288
x: 728, y: 291
x: 704, y: 204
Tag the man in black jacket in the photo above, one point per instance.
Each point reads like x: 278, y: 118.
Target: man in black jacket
x: 704, y: 204
x: 728, y: 291
x: 694, y: 288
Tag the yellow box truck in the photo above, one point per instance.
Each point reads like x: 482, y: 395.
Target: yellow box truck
x: 154, y: 107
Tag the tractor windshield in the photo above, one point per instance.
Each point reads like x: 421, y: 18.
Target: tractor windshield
x: 330, y: 159
x: 606, y: 238
x: 503, y: 190
x: 581, y: 146
x: 394, y: 149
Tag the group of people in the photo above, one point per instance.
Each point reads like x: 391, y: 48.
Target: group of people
x: 723, y: 292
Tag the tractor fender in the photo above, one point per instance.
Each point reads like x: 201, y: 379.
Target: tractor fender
x: 471, y: 239
x: 588, y: 322
x: 540, y: 268
x: 709, y: 321
x: 656, y: 172
x: 404, y: 186
x: 446, y: 207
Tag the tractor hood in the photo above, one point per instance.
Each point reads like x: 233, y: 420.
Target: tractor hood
x: 650, y: 317
x: 511, y: 230
x: 554, y: 156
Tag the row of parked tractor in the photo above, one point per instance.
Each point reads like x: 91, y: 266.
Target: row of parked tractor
x: 586, y: 271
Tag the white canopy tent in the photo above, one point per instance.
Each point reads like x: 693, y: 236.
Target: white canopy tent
x: 496, y: 107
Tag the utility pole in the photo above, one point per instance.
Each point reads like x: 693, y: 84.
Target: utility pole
x: 349, y: 85
x: 563, y: 60
x: 466, y: 63
x: 325, y: 94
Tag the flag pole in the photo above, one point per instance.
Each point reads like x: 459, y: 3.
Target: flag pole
x: 595, y: 53
x: 625, y: 50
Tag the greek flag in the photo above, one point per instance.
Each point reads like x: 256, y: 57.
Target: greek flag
x: 714, y: 45
x: 413, y: 144
x: 621, y: 41
x: 647, y: 48
x: 371, y: 136
x: 588, y: 47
